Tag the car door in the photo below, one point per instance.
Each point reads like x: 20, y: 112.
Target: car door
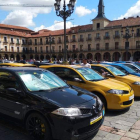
x: 69, y: 75
x: 11, y: 104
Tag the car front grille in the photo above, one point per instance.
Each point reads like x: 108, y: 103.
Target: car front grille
x: 126, y: 92
x: 90, y: 127
x: 85, y: 111
x: 128, y: 102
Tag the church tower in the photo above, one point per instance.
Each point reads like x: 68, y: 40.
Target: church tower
x: 100, y: 21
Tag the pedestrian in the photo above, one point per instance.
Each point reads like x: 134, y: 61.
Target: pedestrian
x: 85, y: 64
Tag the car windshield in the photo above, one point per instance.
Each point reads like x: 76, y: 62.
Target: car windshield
x: 40, y: 80
x: 90, y: 74
x: 130, y: 70
x: 115, y: 71
x: 132, y: 67
x: 138, y: 64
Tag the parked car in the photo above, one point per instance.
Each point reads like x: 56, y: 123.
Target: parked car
x: 124, y: 68
x: 47, y: 106
x: 114, y: 94
x: 114, y: 73
x: 16, y: 65
x: 133, y: 66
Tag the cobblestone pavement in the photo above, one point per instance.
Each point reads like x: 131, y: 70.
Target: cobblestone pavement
x: 124, y: 125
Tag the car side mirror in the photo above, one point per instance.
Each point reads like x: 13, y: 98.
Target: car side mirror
x: 78, y: 80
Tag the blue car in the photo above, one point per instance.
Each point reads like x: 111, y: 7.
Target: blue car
x: 124, y: 68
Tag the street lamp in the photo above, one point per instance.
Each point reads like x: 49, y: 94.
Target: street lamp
x: 50, y: 41
x: 127, y: 36
x: 64, y: 14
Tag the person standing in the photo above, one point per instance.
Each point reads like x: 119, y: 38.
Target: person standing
x: 85, y: 64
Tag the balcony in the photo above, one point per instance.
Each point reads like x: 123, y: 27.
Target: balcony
x: 5, y: 41
x: 73, y: 40
x: 12, y: 42
x: 67, y: 40
x: 138, y: 47
x: 81, y: 40
x: 97, y: 38
x: 106, y: 37
x: 17, y: 43
x: 89, y: 39
x: 35, y: 43
x: 40, y: 43
x: 137, y: 35
x: 75, y: 50
x: 59, y: 41
x: 29, y: 43
x: 116, y: 36
x: 23, y: 43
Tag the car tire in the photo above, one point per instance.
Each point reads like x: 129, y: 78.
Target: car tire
x: 37, y: 127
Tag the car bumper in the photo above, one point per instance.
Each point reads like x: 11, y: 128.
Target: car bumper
x: 120, y: 102
x: 75, y: 128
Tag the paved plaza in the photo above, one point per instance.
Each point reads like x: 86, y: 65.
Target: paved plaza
x: 124, y: 125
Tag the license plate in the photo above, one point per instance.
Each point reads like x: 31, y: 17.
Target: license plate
x: 92, y: 121
x: 131, y: 97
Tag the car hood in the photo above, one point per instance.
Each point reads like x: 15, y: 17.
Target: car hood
x: 68, y: 97
x: 131, y: 78
x: 112, y: 84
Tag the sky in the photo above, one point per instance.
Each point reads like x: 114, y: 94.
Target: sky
x: 37, y: 18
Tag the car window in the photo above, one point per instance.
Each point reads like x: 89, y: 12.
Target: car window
x: 98, y: 69
x: 66, y: 73
x: 37, y: 80
x: 51, y: 69
x: 120, y: 68
x: 132, y: 67
x: 7, y: 80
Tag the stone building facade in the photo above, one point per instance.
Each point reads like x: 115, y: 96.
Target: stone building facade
x: 101, y: 40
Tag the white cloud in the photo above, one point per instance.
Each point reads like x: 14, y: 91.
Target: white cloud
x: 133, y: 11
x: 82, y: 11
x: 56, y: 26
x: 20, y: 18
x: 94, y: 10
x: 23, y: 16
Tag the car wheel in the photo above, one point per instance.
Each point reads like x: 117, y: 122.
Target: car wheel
x: 37, y: 127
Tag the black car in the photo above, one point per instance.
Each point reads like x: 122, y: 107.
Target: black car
x: 47, y: 106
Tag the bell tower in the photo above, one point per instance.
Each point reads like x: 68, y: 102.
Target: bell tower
x: 100, y: 21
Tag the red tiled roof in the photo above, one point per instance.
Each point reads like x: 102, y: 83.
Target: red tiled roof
x: 14, y: 33
x: 125, y: 22
x: 14, y: 27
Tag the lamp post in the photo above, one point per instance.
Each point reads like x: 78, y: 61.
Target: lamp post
x: 127, y: 36
x: 64, y: 14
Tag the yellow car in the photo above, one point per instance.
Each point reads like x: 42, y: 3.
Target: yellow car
x: 114, y: 94
x: 114, y: 73
x: 16, y: 65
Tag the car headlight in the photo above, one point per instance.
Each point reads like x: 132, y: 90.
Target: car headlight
x: 115, y: 91
x: 136, y: 83
x: 67, y: 112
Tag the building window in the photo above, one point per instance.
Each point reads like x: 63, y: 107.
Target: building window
x: 17, y: 49
x: 35, y: 49
x: 41, y: 49
x: 41, y: 41
x: 97, y: 46
x: 53, y: 48
x: 106, y: 34
x: 5, y: 39
x: 97, y: 35
x: 35, y: 41
x: 23, y: 42
x: 137, y: 44
x: 89, y: 47
x: 116, y: 45
x: 12, y: 40
x: 17, y: 41
x: 138, y: 32
x: 67, y: 39
x: 81, y: 47
x: 59, y: 48
x: 106, y: 46
x: 6, y: 48
x: 12, y: 49
x: 46, y: 48
x: 98, y: 25
x: 116, y: 33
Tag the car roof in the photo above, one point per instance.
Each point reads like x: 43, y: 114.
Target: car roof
x: 67, y: 66
x: 19, y: 68
x: 100, y: 65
